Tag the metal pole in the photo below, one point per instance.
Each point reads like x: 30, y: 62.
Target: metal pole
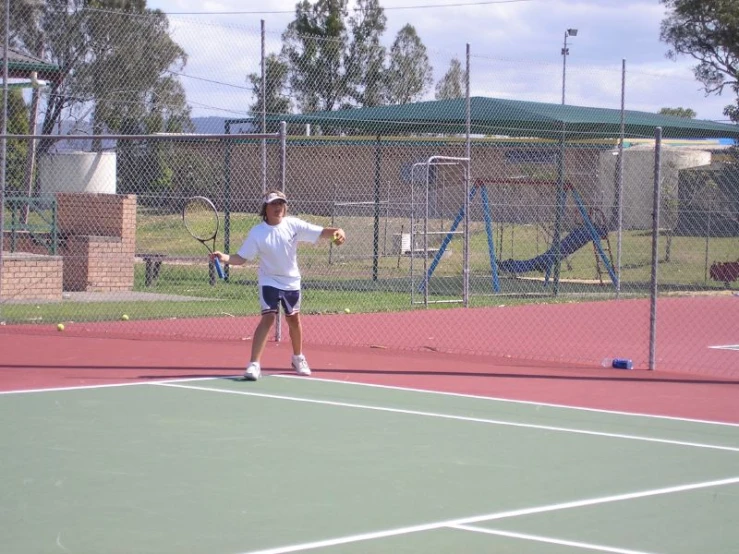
x: 412, y: 223
x: 561, y: 192
x: 468, y: 151
x: 564, y: 67
x: 655, y: 244
x: 376, y: 225
x: 283, y: 154
x: 559, y: 212
x: 3, y: 141
x: 620, y: 183
x: 283, y: 173
x: 227, y: 200
x: 565, y: 52
x: 264, y: 112
x: 425, y: 239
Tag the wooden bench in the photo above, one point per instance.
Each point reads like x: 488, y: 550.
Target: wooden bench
x: 153, y: 264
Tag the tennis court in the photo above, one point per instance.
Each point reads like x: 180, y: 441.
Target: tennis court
x: 165, y: 450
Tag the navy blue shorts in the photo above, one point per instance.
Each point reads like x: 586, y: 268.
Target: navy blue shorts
x: 270, y: 299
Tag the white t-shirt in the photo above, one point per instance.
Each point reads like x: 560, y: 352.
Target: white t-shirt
x: 276, y: 246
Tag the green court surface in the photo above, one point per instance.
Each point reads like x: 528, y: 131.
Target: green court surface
x: 221, y: 466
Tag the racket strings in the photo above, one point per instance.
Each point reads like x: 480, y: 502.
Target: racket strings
x: 200, y: 219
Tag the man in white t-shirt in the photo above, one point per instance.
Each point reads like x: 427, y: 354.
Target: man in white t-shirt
x: 275, y: 242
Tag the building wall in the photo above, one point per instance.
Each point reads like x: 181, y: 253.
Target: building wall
x: 320, y: 173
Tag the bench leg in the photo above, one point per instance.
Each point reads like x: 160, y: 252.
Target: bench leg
x: 149, y: 273
x: 152, y: 271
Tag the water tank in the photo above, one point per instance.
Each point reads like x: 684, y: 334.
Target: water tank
x: 92, y: 172
x: 638, y: 181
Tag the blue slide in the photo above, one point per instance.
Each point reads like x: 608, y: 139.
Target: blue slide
x: 578, y: 238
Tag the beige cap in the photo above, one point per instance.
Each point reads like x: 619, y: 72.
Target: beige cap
x: 275, y: 196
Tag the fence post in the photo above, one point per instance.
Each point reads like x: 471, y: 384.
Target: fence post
x: 655, y: 242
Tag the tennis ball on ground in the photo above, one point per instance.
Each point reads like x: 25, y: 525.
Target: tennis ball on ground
x: 60, y: 327
x: 124, y: 317
x: 347, y: 311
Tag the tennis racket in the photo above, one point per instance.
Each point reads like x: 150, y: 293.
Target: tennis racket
x: 201, y: 220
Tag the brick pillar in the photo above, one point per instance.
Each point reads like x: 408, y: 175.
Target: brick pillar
x: 100, y: 233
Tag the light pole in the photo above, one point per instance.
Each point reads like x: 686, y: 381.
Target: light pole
x: 561, y: 191
x: 565, y: 53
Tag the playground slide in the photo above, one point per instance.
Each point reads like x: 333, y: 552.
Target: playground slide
x: 578, y: 238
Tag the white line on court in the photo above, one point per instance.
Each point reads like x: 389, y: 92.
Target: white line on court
x: 726, y: 347
x: 494, y: 516
x: 511, y: 401
x: 409, y: 389
x: 452, y: 417
x: 548, y: 540
x: 111, y: 385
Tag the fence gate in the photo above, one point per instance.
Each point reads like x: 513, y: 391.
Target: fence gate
x: 438, y: 247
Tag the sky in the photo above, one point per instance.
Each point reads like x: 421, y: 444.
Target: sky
x: 515, y: 50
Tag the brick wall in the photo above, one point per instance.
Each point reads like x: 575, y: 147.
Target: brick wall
x: 98, y: 241
x: 106, y: 215
x: 34, y: 276
x: 99, y: 233
x: 321, y: 172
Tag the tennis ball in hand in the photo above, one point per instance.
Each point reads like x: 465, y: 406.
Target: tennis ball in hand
x: 124, y: 317
x: 337, y: 238
x: 60, y: 327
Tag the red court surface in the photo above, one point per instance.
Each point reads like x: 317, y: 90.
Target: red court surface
x: 40, y: 361
x: 578, y: 333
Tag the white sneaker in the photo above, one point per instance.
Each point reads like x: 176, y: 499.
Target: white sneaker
x: 300, y: 365
x: 253, y: 371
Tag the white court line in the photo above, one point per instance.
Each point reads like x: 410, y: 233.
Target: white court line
x: 726, y: 347
x: 453, y: 417
x: 511, y: 401
x: 354, y: 383
x: 548, y: 540
x: 494, y: 516
x: 111, y: 385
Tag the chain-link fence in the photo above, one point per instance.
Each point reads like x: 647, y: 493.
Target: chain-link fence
x: 519, y: 203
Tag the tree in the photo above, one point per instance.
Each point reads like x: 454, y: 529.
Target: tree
x: 334, y: 60
x: 314, y: 46
x: 679, y: 112
x: 453, y: 83
x: 707, y: 30
x: 274, y: 100
x: 409, y: 73
x: 732, y: 111
x: 366, y: 54
x: 115, y: 56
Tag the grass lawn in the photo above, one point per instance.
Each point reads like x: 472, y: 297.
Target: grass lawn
x: 347, y: 277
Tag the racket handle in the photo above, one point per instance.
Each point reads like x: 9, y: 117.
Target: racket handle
x: 219, y: 268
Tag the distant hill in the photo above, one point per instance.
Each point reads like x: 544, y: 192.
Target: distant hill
x: 203, y: 125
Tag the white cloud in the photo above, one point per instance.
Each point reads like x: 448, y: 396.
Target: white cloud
x: 515, y: 49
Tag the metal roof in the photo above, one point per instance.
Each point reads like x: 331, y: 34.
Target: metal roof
x: 514, y: 118
x: 20, y: 65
